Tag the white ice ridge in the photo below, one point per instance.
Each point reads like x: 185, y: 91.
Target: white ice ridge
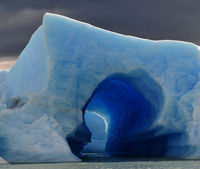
x: 43, y: 94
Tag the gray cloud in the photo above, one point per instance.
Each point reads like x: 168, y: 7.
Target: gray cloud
x: 154, y: 19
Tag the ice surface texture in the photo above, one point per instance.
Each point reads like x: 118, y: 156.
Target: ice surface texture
x: 76, y: 83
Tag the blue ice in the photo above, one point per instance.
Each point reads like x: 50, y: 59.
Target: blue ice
x: 98, y: 126
x: 75, y: 86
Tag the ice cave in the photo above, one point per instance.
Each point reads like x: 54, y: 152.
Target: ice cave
x: 77, y: 89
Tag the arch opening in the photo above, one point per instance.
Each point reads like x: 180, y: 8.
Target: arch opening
x: 98, y: 127
x: 130, y: 104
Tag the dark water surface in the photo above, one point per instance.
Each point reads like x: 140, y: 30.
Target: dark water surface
x: 99, y: 161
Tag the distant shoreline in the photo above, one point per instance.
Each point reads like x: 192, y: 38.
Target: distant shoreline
x: 7, y: 62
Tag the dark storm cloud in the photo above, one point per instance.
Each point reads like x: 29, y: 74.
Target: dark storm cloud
x: 154, y: 19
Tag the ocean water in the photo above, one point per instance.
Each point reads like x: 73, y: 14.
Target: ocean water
x: 99, y: 161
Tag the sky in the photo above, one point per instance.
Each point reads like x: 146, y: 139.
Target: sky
x: 152, y: 19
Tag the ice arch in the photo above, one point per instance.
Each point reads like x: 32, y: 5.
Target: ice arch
x: 131, y: 103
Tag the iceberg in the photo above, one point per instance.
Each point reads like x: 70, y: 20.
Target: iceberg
x: 77, y: 88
